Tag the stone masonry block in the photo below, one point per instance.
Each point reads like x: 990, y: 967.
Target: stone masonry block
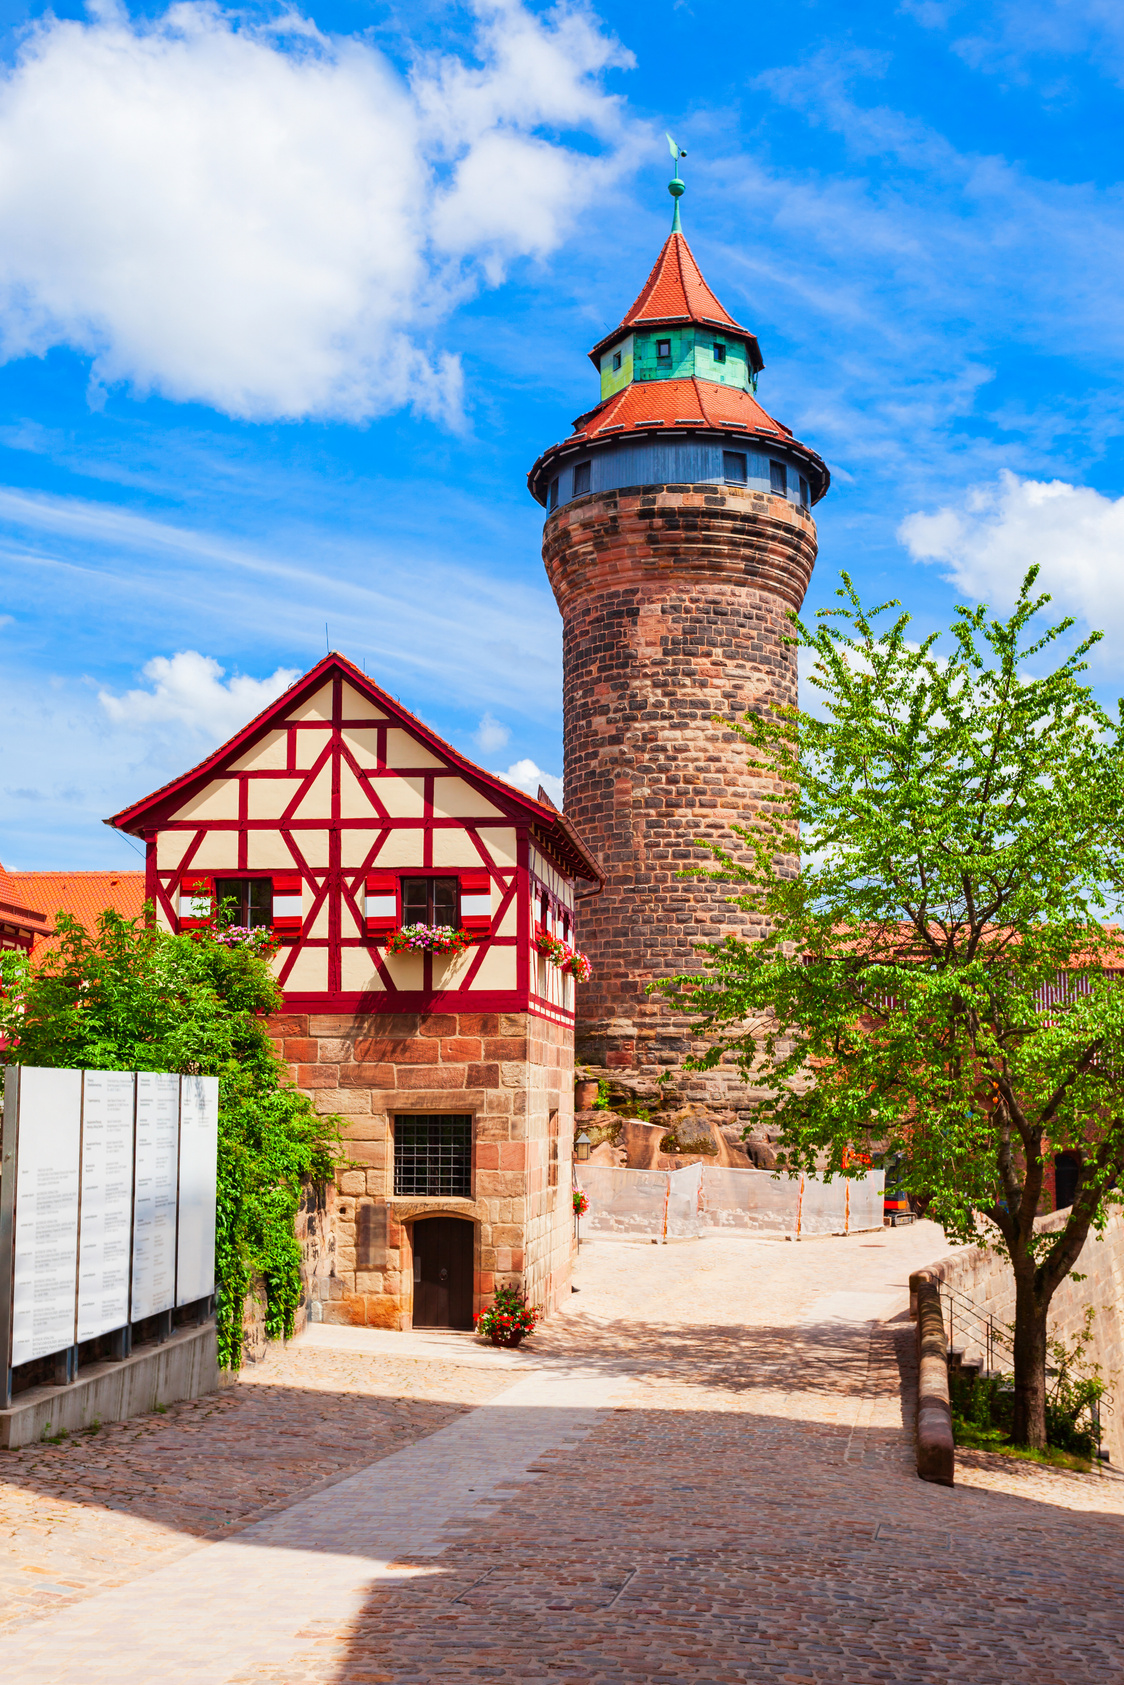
x: 318, y: 1076
x: 461, y: 1049
x: 430, y: 1077
x: 301, y: 1050
x: 334, y: 1050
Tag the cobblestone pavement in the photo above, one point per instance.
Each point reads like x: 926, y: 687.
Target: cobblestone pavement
x: 701, y: 1473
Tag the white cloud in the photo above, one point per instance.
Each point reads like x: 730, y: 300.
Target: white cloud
x: 188, y: 690
x: 1019, y: 31
x: 525, y: 775
x: 987, y: 541
x: 273, y: 221
x: 490, y: 735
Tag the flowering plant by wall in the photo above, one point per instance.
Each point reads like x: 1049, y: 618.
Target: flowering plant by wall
x: 508, y: 1319
x: 561, y: 954
x: 581, y: 1204
x: 258, y: 938
x: 428, y: 939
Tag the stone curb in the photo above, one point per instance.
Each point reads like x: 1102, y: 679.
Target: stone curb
x: 935, y: 1452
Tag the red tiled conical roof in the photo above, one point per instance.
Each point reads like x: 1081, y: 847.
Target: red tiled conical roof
x: 676, y: 292
x: 692, y: 402
x: 664, y: 406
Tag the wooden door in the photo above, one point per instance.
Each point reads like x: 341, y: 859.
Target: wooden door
x: 442, y: 1273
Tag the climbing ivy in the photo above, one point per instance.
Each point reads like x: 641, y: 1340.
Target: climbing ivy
x: 135, y: 998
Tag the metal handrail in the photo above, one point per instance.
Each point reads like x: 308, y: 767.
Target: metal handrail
x: 993, y: 1334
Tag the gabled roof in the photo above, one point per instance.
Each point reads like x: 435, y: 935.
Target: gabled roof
x: 660, y: 407
x: 146, y: 816
x: 17, y: 909
x: 675, y: 292
x: 85, y: 895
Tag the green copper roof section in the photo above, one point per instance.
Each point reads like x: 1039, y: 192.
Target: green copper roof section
x: 676, y: 187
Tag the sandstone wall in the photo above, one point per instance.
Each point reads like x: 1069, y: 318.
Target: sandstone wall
x: 986, y: 1279
x: 513, y: 1073
x: 675, y: 602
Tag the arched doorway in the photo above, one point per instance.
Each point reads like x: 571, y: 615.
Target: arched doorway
x: 1067, y: 1169
x: 443, y: 1272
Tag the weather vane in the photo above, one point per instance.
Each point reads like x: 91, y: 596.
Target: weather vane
x: 676, y: 187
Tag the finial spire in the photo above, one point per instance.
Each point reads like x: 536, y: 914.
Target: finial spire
x: 676, y: 187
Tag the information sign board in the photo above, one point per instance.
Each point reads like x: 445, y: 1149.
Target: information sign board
x: 199, y: 1145
x: 45, y: 1250
x: 154, y: 1196
x: 106, y: 1216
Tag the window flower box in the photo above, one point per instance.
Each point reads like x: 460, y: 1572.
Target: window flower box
x: 569, y: 960
x: 428, y: 939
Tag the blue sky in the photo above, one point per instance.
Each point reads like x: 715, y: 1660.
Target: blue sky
x: 290, y: 301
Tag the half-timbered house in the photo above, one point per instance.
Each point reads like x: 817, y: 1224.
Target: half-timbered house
x: 337, y: 818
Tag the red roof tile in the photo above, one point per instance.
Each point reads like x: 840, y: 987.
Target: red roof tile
x: 668, y: 404
x: 676, y: 292
x: 16, y: 909
x: 85, y: 895
x: 693, y: 402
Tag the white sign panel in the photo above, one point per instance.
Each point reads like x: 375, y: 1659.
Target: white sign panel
x: 154, y: 1198
x: 199, y: 1148
x: 45, y: 1260
x: 106, y: 1226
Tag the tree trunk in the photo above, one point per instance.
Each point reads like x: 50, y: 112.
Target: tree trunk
x: 1029, y: 1426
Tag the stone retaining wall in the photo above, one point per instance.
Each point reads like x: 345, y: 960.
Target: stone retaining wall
x: 985, y: 1278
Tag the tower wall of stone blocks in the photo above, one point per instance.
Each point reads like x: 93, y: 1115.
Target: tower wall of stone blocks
x: 675, y: 602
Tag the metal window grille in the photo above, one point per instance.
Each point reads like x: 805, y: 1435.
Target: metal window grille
x: 433, y: 1155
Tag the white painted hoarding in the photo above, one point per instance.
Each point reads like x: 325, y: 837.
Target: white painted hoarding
x: 154, y: 1199
x: 106, y: 1221
x: 199, y: 1145
x: 45, y: 1251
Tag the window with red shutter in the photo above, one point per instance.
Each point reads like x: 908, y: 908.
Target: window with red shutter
x: 288, y: 903
x: 194, y: 900
x: 476, y: 901
x: 381, y: 909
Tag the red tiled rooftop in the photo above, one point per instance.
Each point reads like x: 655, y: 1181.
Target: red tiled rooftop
x: 676, y: 292
x: 692, y: 402
x: 85, y: 895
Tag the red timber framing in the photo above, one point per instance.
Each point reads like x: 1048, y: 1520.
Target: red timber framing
x: 336, y: 793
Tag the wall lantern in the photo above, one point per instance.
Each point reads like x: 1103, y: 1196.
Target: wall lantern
x: 581, y: 1147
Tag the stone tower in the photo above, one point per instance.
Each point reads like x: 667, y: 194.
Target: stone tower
x: 678, y: 537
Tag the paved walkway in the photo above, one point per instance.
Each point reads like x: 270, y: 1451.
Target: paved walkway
x: 700, y: 1472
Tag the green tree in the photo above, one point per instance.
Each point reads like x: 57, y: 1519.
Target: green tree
x: 936, y: 980
x: 132, y: 997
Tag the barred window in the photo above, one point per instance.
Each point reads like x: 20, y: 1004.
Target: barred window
x: 433, y: 1155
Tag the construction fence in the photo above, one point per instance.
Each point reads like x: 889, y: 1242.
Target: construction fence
x: 703, y: 1198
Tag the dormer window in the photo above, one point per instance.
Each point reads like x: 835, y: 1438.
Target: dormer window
x: 663, y: 349
x: 719, y: 353
x: 616, y: 361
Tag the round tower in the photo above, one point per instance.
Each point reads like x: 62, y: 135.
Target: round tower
x: 678, y: 538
